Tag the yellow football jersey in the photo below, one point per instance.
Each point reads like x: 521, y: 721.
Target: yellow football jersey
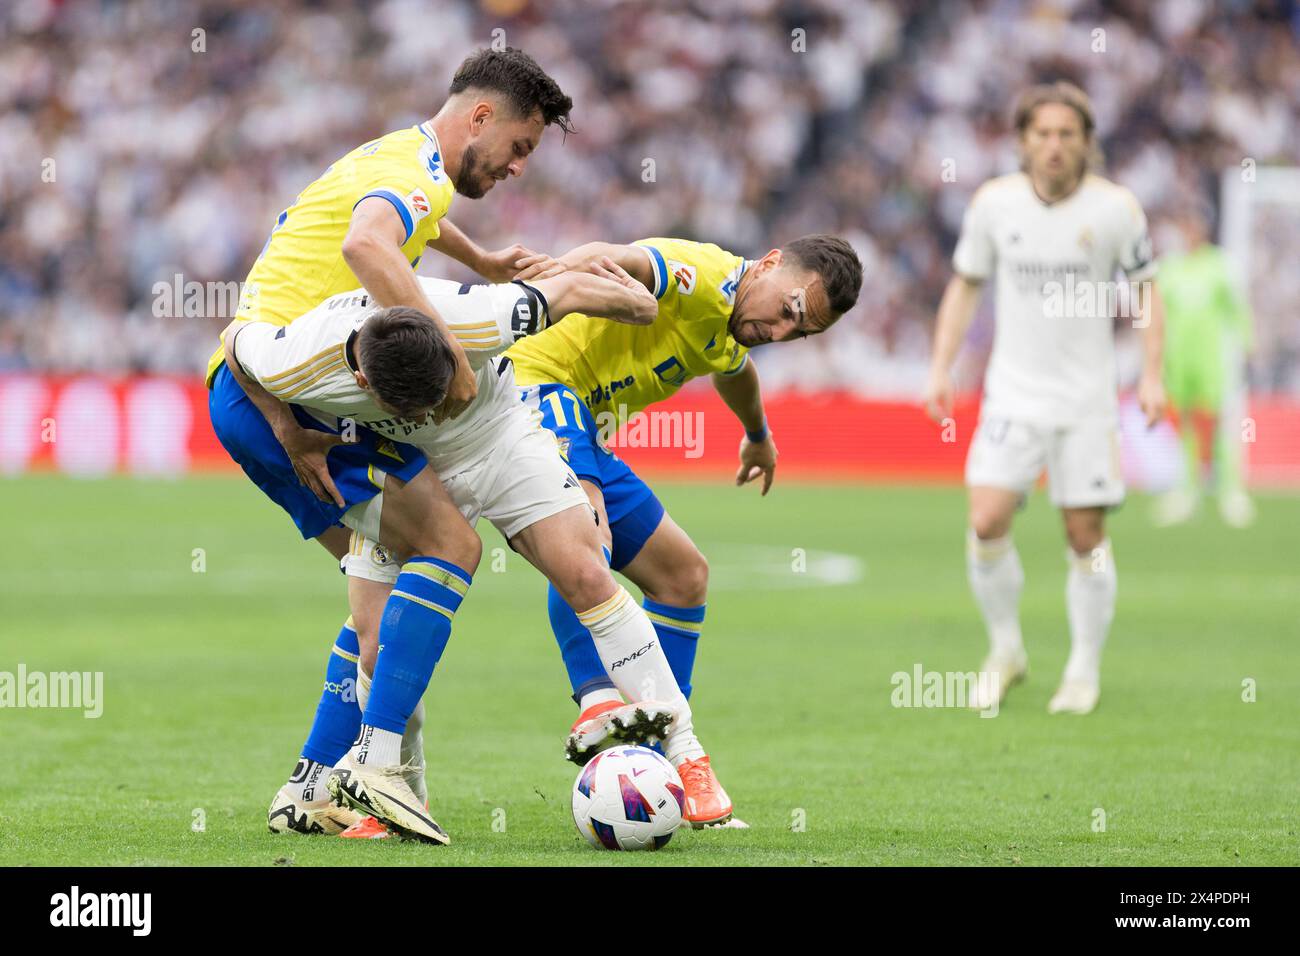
x: 302, y: 263
x: 609, y: 364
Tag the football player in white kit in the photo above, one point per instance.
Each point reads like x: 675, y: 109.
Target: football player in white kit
x: 1055, y: 236
x: 347, y: 363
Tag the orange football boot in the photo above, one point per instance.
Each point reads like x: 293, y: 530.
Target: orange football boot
x: 367, y: 828
x: 706, y: 802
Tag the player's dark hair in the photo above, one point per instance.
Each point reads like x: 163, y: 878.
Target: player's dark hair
x: 406, y: 358
x: 835, y: 262
x: 516, y: 76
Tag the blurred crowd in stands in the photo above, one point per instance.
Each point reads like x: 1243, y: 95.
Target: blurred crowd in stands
x: 144, y: 140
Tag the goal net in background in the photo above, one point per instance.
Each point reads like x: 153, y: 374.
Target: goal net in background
x: 1260, y: 233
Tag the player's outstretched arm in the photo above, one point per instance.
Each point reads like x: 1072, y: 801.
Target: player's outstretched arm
x: 373, y: 251
x: 744, y: 396
x: 602, y: 289
x: 956, y: 310
x: 1151, y: 320
x: 500, y: 266
x: 306, y: 447
x: 631, y: 259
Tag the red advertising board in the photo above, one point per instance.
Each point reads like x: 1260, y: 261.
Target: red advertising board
x: 157, y: 425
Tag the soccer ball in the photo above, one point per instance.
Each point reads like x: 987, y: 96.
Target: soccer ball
x: 628, y: 798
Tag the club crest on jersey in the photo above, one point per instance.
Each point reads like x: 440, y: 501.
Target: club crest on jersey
x: 386, y: 447
x: 685, y: 275
x: 1085, y: 239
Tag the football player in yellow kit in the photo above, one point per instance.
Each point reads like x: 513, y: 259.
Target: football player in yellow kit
x: 713, y: 307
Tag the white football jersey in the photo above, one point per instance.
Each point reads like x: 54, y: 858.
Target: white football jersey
x: 309, y: 363
x: 1057, y: 264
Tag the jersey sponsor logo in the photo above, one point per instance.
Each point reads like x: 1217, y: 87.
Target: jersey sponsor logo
x: 599, y: 393
x: 405, y: 426
x: 671, y: 371
x: 348, y: 301
x: 685, y: 275
x: 1033, y: 276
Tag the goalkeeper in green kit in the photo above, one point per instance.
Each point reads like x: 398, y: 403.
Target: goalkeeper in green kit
x: 1207, y: 333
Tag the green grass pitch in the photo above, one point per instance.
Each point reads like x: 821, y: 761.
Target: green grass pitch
x: 211, y: 677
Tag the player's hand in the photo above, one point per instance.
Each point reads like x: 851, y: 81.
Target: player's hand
x: 757, y: 458
x: 462, y: 390
x: 511, y: 262
x: 539, y: 266
x: 938, y: 396
x: 307, y: 449
x: 607, y: 268
x: 1151, y: 398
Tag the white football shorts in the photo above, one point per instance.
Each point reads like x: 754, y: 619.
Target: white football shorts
x: 519, y: 479
x: 1082, y: 460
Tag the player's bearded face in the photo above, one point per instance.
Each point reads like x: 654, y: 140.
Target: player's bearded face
x: 500, y: 149
x: 474, y: 180
x: 775, y: 304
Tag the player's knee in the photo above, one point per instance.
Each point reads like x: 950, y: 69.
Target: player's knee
x: 989, y: 523
x: 689, y: 584
x: 459, y: 545
x: 585, y: 585
x: 1084, y: 536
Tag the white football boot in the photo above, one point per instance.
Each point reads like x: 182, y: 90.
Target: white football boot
x: 1236, y: 509
x: 288, y: 814
x: 383, y: 793
x: 1075, y: 697
x: 1176, y: 506
x: 1003, y: 672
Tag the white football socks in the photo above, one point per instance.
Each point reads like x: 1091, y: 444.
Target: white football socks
x: 307, y: 784
x: 1090, y: 591
x: 412, y: 746
x: 629, y: 648
x: 997, y: 578
x: 375, y: 747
